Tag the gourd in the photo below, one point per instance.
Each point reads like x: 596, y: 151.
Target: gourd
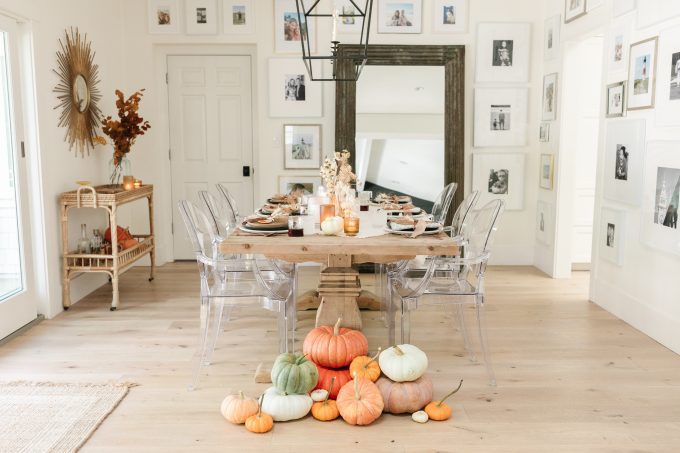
x: 420, y: 417
x: 332, y: 225
x: 259, y: 422
x: 327, y: 409
x: 341, y: 376
x: 438, y: 410
x: 359, y: 402
x: 366, y: 367
x: 283, y: 407
x: 402, y: 397
x: 319, y: 395
x: 334, y: 346
x: 402, y: 363
x: 293, y: 373
x: 237, y: 408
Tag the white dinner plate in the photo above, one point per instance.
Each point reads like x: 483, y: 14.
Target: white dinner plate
x: 262, y: 232
x: 406, y: 233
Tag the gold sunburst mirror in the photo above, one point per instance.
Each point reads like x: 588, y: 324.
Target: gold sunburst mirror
x: 78, y: 91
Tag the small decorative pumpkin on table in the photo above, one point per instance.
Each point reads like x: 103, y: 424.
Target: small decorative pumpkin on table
x: 403, y: 397
x: 294, y: 374
x: 237, y: 408
x: 404, y: 362
x: 260, y: 422
x: 359, y: 402
x: 326, y: 375
x: 438, y: 410
x: 327, y: 409
x: 334, y: 346
x: 366, y: 367
x: 284, y: 407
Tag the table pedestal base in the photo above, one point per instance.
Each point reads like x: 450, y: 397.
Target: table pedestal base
x: 339, y: 289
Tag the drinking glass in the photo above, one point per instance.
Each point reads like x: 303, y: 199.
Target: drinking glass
x: 295, y: 226
x: 365, y: 199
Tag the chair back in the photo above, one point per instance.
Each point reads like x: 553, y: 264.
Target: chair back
x: 220, y: 212
x: 480, y: 235
x: 462, y: 217
x: 201, y: 229
x: 231, y: 201
x: 443, y: 202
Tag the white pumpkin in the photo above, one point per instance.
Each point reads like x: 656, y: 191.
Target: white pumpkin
x: 333, y: 225
x: 403, y: 363
x: 283, y: 407
x: 420, y: 417
x: 319, y: 395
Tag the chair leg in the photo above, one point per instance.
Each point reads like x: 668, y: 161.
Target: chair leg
x: 216, y: 329
x: 381, y: 291
x: 405, y: 321
x: 391, y: 316
x: 199, y: 355
x: 483, y: 340
x: 282, y: 322
x: 459, y: 310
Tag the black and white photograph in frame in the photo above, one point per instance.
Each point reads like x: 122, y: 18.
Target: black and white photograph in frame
x: 547, y: 172
x: 503, y: 51
x: 551, y: 37
x: 290, y: 94
x: 164, y: 16
x: 620, y: 7
x: 616, y: 99
x: 573, y: 9
x: 450, y: 16
x: 624, y: 160
x: 549, y: 101
x: 667, y: 107
x: 349, y: 21
x: 544, y: 222
x: 302, y: 146
x: 612, y: 235
x: 650, y: 12
x: 544, y: 132
x: 500, y: 117
x: 499, y: 176
x: 619, y: 46
x: 299, y: 185
x: 200, y: 17
x: 290, y: 29
x: 642, y: 74
x: 238, y: 16
x: 400, y: 16
x: 659, y: 222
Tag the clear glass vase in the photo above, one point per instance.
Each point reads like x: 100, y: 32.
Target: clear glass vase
x: 117, y: 172
x: 84, y: 241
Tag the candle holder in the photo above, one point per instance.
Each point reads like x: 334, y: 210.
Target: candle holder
x: 326, y: 211
x: 351, y: 226
x: 137, y: 184
x: 128, y: 182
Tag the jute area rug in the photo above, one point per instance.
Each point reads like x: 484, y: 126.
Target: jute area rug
x: 40, y: 417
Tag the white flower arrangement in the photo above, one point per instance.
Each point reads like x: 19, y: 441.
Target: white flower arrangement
x: 337, y: 177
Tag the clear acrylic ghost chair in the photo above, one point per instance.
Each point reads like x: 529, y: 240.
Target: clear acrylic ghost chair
x: 443, y: 202
x: 226, y: 282
x: 229, y: 198
x: 220, y: 211
x: 454, y: 280
x: 462, y: 217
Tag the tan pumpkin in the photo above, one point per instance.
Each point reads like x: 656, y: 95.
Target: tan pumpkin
x: 334, y: 346
x: 366, y: 367
x: 359, y: 402
x: 438, y: 410
x: 341, y: 376
x: 402, y: 397
x: 237, y: 408
x: 260, y: 422
x: 327, y: 409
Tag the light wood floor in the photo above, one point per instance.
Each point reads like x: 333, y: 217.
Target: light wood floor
x: 571, y: 377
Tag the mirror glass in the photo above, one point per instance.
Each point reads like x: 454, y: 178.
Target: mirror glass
x: 400, y: 131
x: 81, y: 95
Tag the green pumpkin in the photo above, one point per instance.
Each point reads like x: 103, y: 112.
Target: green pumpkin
x: 294, y: 374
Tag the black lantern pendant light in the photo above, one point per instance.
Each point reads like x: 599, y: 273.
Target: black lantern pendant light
x: 351, y: 9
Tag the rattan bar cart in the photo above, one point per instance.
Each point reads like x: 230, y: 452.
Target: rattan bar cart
x: 118, y: 261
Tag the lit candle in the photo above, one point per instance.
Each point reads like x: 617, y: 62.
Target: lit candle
x: 138, y: 183
x: 351, y: 226
x: 334, y: 36
x: 128, y: 182
x: 326, y: 210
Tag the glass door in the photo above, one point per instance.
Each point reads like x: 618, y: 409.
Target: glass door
x: 17, y: 301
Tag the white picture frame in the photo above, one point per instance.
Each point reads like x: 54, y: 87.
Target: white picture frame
x: 573, y: 9
x: 642, y: 74
x: 544, y: 132
x: 621, y: 7
x: 668, y: 80
x: 164, y: 16
x: 286, y: 101
x: 612, y: 235
x: 238, y: 17
x: 657, y: 198
x: 551, y: 37
x: 200, y: 17
x: 487, y: 177
x: 618, y: 49
x: 546, y: 174
x: 287, y: 183
x: 650, y: 12
x: 450, y: 16
x: 545, y: 225
x: 288, y: 32
x: 392, y: 20
x: 616, y: 99
x: 503, y: 52
x: 349, y: 25
x: 301, y: 146
x: 549, y: 98
x: 624, y: 160
x: 500, y: 117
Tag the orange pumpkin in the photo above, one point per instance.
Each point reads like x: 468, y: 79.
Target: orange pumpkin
x: 341, y: 376
x: 438, y: 410
x: 334, y: 346
x: 359, y: 402
x: 237, y: 408
x: 402, y: 397
x: 366, y: 367
x: 260, y: 422
x: 326, y: 410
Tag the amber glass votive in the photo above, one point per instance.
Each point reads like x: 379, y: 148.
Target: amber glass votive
x: 326, y: 211
x: 128, y: 182
x: 351, y: 226
x: 138, y: 183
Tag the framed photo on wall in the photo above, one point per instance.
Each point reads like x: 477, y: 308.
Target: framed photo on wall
x: 612, y: 235
x: 349, y: 24
x: 544, y: 222
x: 238, y: 16
x: 573, y: 9
x: 549, y: 102
x: 616, y: 99
x: 624, y: 160
x: 668, y: 85
x: 164, y: 16
x: 290, y: 93
x: 642, y: 74
x: 544, y: 132
x: 619, y: 46
x: 551, y: 37
x: 302, y: 146
x: 659, y: 223
x: 450, y: 16
x: 500, y: 117
x: 400, y: 16
x: 301, y: 185
x: 289, y: 30
x: 201, y: 17
x: 547, y: 171
x: 499, y: 176
x: 503, y: 52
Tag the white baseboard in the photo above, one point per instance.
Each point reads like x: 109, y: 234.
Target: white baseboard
x: 512, y: 255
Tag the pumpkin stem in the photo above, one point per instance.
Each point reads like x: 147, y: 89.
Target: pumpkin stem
x: 241, y: 395
x: 259, y: 406
x: 398, y: 350
x: 330, y: 389
x: 336, y: 327
x: 373, y: 358
x: 356, y: 387
x: 446, y: 397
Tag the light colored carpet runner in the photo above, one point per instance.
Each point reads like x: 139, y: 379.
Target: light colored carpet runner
x: 40, y: 417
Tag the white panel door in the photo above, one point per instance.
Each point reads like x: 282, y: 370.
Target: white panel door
x: 211, y: 132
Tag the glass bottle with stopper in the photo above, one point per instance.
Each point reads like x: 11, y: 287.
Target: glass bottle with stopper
x: 84, y: 241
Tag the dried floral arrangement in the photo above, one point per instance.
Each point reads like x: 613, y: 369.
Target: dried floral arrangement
x: 124, y: 131
x: 337, y: 177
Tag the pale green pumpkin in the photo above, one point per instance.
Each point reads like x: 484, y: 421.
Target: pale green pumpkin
x: 294, y: 374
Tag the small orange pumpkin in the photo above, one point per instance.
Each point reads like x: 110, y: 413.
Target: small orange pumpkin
x: 334, y: 346
x: 360, y: 402
x: 327, y: 409
x: 260, y: 422
x: 438, y: 410
x: 341, y: 376
x: 366, y: 367
x: 237, y: 408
